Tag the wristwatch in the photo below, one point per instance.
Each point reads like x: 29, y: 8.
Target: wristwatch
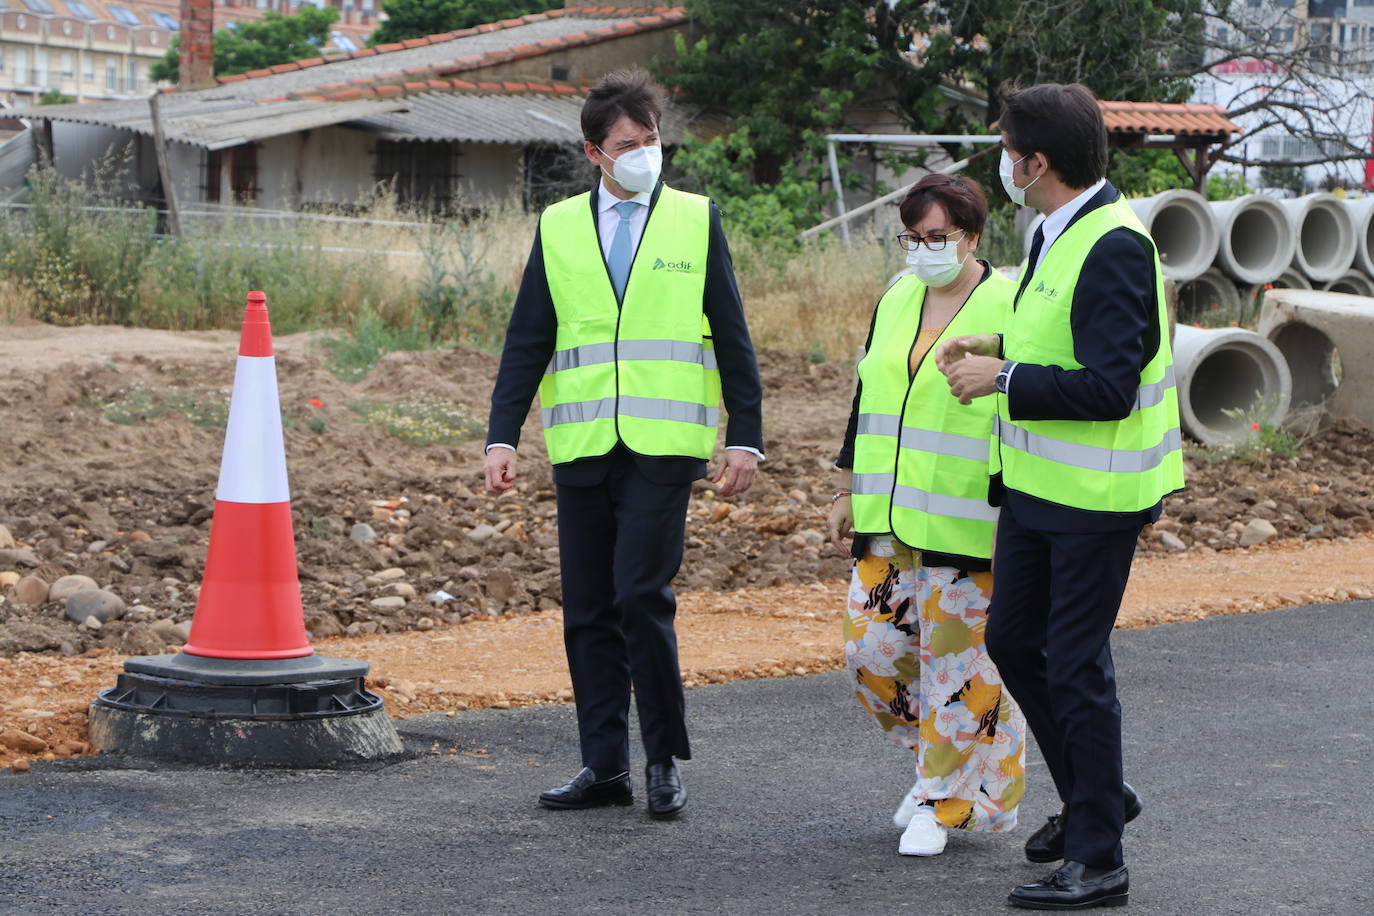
x: 1003, y: 376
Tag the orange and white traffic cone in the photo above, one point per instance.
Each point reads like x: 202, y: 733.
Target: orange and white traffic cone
x: 247, y: 689
x: 250, y: 599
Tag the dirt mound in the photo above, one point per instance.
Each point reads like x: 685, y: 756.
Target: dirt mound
x: 111, y: 455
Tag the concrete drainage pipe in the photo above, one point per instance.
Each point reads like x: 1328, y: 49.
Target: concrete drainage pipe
x: 1362, y: 215
x: 1209, y: 293
x: 1183, y: 230
x: 1325, y: 235
x: 1352, y: 283
x: 1291, y: 278
x: 1228, y: 369
x: 1256, y: 240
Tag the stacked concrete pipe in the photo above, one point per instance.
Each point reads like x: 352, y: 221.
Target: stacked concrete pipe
x: 1228, y: 369
x: 1209, y: 291
x: 1256, y: 238
x: 1183, y: 230
x: 1325, y: 234
x: 1362, y: 216
x: 1352, y: 283
x: 1328, y: 341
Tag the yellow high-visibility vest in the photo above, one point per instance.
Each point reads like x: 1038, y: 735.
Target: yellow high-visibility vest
x: 1098, y: 465
x: 921, y: 457
x: 641, y: 371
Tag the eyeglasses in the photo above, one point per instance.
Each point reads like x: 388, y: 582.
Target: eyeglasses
x: 910, y: 241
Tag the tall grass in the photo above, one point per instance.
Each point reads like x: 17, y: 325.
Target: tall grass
x: 398, y: 280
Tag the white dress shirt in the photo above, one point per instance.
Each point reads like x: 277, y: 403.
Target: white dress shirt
x: 1055, y: 224
x: 607, y: 222
x: 608, y: 218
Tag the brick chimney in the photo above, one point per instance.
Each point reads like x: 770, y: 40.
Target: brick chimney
x: 197, y: 64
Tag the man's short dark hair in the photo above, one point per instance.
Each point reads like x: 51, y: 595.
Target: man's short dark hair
x: 1064, y: 123
x: 624, y: 93
x: 961, y: 197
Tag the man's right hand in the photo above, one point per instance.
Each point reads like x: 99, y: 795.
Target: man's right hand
x: 500, y: 469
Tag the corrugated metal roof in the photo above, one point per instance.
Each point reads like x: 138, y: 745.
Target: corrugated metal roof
x: 497, y: 119
x: 216, y: 123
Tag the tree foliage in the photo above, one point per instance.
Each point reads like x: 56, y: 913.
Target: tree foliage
x: 1121, y: 49
x: 417, y: 18
x: 274, y: 39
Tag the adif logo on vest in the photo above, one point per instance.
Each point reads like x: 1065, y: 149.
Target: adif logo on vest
x: 1048, y: 293
x: 674, y: 266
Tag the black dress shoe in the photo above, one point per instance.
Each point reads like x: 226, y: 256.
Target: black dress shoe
x: 586, y: 791
x: 1067, y: 888
x: 1047, y: 843
x: 667, y: 797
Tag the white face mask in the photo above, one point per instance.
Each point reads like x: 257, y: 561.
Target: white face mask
x: 1005, y: 170
x: 936, y: 268
x: 637, y: 170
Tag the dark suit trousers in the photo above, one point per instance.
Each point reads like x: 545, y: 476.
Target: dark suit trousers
x: 1055, y: 600
x: 621, y: 543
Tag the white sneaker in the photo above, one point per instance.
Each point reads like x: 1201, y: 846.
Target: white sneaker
x: 924, y: 836
x: 902, y: 816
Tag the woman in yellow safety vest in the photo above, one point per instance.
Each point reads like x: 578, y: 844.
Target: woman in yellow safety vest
x: 913, y: 493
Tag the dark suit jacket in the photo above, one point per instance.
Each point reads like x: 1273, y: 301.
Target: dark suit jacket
x: 530, y: 340
x: 1116, y: 332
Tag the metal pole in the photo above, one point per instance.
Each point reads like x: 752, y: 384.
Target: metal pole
x: 842, y: 219
x: 168, y: 188
x: 839, y: 189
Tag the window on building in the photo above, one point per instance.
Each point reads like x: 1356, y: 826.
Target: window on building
x: 124, y: 14
x: 68, y: 66
x: 111, y: 75
x: 167, y: 22
x: 40, y: 66
x: 21, y: 67
x: 39, y: 6
x: 132, y: 70
x: 79, y: 9
x: 88, y: 69
x: 421, y: 173
x: 343, y: 42
x: 242, y: 163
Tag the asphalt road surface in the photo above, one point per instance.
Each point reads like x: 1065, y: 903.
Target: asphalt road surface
x: 1248, y: 737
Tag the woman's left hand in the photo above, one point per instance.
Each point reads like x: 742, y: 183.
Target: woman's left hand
x: 841, y: 523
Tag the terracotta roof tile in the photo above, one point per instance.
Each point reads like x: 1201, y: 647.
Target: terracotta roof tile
x: 490, y: 87
x: 389, y: 90
x: 415, y: 42
x: 514, y: 87
x: 230, y: 79
x: 390, y: 46
x: 284, y: 68
x: 463, y: 84
x: 365, y: 52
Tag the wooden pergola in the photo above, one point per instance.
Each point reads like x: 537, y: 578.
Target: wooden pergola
x: 1196, y: 133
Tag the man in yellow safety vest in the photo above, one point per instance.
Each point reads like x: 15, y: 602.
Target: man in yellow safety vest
x: 629, y: 324
x: 1087, y: 443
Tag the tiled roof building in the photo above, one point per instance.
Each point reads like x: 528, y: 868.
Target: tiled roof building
x: 103, y: 49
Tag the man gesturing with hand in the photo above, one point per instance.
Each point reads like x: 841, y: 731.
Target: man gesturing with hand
x: 1085, y: 447
x: 629, y: 324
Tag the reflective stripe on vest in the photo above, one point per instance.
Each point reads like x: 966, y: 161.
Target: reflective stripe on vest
x: 1124, y: 465
x: 920, y: 457
x: 643, y: 370
x: 670, y: 350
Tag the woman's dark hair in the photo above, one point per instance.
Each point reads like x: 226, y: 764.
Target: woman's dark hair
x: 622, y: 93
x: 961, y: 197
x: 1064, y: 123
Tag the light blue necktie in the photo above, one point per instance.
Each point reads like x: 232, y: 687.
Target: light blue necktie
x: 622, y: 252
